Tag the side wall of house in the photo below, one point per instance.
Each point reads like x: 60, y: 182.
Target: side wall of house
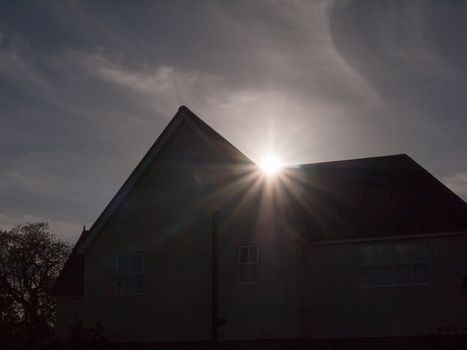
x: 168, y: 217
x: 165, y: 218
x: 334, y: 304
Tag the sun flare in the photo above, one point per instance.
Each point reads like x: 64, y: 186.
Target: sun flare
x: 270, y: 165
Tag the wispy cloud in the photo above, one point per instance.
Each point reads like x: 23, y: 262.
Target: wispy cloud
x: 83, y: 98
x: 254, y: 118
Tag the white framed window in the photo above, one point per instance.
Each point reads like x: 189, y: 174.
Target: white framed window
x: 394, y: 263
x: 248, y: 263
x: 130, y: 274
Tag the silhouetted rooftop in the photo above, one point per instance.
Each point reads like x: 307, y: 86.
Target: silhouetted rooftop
x: 371, y: 197
x: 358, y: 198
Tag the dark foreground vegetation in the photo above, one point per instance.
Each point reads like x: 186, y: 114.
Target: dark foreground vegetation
x: 30, y: 260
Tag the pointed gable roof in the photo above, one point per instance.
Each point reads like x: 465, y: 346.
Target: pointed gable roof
x: 374, y: 197
x: 223, y: 149
x: 70, y: 280
x: 212, y: 137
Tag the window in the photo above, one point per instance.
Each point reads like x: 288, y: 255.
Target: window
x: 248, y: 263
x: 394, y: 264
x: 130, y: 274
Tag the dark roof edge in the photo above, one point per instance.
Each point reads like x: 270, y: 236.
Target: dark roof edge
x: 384, y: 238
x: 396, y: 155
x: 132, y: 178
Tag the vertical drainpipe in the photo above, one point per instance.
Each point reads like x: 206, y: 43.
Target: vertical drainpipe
x: 214, y: 279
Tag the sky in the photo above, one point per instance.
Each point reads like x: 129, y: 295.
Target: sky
x: 87, y: 86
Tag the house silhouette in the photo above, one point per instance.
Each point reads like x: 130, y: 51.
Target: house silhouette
x: 198, y: 247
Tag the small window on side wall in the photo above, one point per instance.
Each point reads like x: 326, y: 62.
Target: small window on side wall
x: 130, y: 274
x: 248, y: 263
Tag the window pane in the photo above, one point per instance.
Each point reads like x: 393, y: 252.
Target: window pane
x: 369, y: 277
x: 401, y: 253
x: 384, y: 253
x: 123, y: 285
x: 137, y: 263
x: 386, y: 275
x: 253, y: 254
x: 367, y: 255
x: 123, y: 267
x: 243, y: 254
x: 137, y: 284
x: 403, y: 274
x: 420, y: 274
x: 248, y: 260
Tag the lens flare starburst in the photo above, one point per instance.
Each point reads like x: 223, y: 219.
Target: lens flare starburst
x: 271, y: 165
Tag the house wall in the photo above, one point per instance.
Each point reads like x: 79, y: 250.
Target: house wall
x: 334, y: 304
x: 68, y: 310
x: 267, y: 309
x: 168, y: 216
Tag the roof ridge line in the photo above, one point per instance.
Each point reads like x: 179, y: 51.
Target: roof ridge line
x: 405, y: 155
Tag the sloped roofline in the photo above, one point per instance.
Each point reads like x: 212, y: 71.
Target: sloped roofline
x: 453, y: 220
x: 198, y: 126
x: 350, y: 160
x: 365, y: 159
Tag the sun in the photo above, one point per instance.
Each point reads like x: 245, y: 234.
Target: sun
x: 271, y: 165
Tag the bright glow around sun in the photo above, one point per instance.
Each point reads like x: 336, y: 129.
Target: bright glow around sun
x: 270, y: 165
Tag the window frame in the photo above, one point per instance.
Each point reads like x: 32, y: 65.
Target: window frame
x: 253, y: 264
x: 131, y: 275
x: 410, y: 261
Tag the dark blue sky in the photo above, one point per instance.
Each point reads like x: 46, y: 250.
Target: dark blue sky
x: 87, y: 86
